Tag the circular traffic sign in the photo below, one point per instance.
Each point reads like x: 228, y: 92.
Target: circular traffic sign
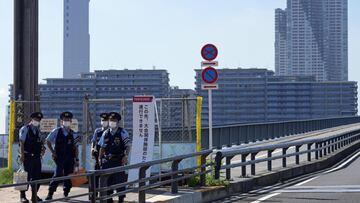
x: 209, y: 52
x: 209, y: 75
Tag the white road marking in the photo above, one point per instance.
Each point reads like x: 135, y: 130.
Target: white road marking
x: 278, y: 192
x: 266, y: 197
x: 306, y: 181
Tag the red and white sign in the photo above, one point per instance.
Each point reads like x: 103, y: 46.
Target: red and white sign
x: 209, y: 63
x: 209, y: 86
x: 143, y: 133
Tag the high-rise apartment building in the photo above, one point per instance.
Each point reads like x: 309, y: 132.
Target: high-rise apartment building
x: 76, y: 58
x: 257, y: 95
x: 280, y: 42
x: 315, y: 37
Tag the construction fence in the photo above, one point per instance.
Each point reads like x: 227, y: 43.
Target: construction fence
x: 175, y: 132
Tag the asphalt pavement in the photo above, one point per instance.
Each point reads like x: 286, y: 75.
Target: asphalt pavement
x: 340, y: 183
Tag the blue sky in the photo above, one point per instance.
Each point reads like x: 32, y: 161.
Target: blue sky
x: 167, y: 34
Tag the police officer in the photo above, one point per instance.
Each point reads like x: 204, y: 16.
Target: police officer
x: 31, y: 150
x: 65, y: 153
x: 115, y: 147
x: 95, y: 148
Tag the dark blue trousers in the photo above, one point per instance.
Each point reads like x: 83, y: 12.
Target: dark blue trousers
x: 32, y: 166
x: 63, y: 168
x: 115, y: 178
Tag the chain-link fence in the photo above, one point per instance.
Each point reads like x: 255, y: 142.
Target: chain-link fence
x: 3, y: 150
x: 175, y: 132
x: 175, y: 123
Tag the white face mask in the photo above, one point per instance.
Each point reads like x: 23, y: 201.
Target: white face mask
x: 104, y: 124
x: 112, y: 124
x: 35, y: 123
x: 66, y: 123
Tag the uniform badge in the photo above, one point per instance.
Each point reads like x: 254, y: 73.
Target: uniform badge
x: 117, y: 141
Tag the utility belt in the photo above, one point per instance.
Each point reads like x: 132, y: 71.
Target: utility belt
x: 31, y: 155
x: 113, y: 157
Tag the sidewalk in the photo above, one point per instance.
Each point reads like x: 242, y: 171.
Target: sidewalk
x: 10, y: 195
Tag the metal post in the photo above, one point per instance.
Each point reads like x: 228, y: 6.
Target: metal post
x: 284, y: 158
x: 85, y: 130
x: 320, y: 150
x: 34, y: 192
x: 203, y: 169
x: 333, y: 145
x: 309, y: 153
x: 142, y: 175
x: 123, y: 112
x: 253, y: 156
x: 297, y: 157
x: 103, y: 184
x: 269, y: 155
x: 218, y: 159
x: 325, y: 148
x: 174, y: 168
x: 228, y: 170
x: 210, y: 119
x: 317, y: 151
x: 92, y: 187
x: 25, y: 69
x: 243, y: 168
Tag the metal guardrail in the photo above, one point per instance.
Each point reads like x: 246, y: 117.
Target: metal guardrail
x: 320, y: 146
x: 141, y: 181
x: 229, y: 135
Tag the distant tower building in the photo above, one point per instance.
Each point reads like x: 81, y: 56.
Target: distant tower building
x: 316, y: 39
x: 280, y: 42
x: 76, y: 59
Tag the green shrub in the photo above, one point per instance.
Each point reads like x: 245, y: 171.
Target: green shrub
x: 6, y: 176
x: 209, y: 181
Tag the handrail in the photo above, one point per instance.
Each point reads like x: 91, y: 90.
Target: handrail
x: 232, y: 152
x: 324, y: 145
x: 141, y: 188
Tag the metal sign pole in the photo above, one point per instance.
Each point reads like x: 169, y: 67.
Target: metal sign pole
x: 210, y: 119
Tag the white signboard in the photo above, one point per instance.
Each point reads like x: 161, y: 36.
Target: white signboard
x: 48, y: 124
x: 143, y: 133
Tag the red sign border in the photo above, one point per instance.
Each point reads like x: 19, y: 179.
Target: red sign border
x: 203, y: 55
x: 203, y: 75
x: 143, y: 99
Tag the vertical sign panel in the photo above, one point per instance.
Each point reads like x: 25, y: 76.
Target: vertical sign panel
x: 143, y: 133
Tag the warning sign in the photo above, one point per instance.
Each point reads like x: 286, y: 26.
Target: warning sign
x: 47, y: 125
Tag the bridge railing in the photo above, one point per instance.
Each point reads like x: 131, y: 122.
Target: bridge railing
x: 140, y: 185
x: 229, y: 135
x: 320, y: 146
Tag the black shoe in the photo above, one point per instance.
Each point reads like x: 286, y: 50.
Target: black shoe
x: 66, y: 194
x: 49, y: 197
x: 23, y: 197
x: 24, y: 200
x: 38, y: 199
